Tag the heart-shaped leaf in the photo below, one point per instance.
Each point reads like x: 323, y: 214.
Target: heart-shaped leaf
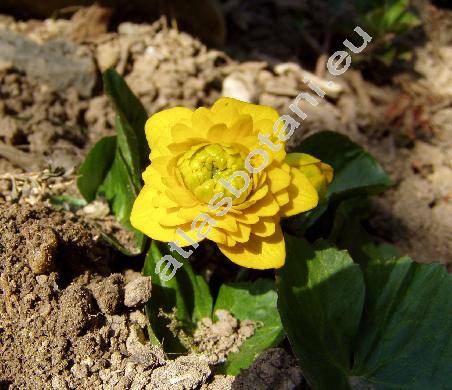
x: 251, y: 301
x: 320, y: 299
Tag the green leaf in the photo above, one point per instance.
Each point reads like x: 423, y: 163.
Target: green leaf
x: 405, y: 333
x: 130, y: 122
x: 405, y: 341
x: 120, y: 190
x: 409, y: 20
x: 320, y: 300
x: 123, y: 183
x: 356, y: 172
x: 196, y: 292
x: 95, y: 168
x: 348, y: 233
x: 113, y: 167
x: 67, y: 202
x: 187, y: 292
x: 393, y: 13
x: 251, y: 301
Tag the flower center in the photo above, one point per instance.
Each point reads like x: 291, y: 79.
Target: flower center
x: 201, y: 169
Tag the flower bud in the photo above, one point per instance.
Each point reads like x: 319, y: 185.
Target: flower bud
x: 202, y: 168
x: 318, y: 173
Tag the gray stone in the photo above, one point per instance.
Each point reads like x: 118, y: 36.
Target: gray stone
x: 56, y: 63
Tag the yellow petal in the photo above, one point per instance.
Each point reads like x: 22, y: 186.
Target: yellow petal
x: 265, y: 207
x: 265, y: 126
x: 265, y: 227
x: 224, y: 113
x: 158, y: 127
x: 300, y: 159
x: 153, y: 177
x: 177, y: 149
x: 328, y: 171
x: 181, y: 132
x: 317, y: 172
x: 241, y: 127
x: 302, y: 194
x: 257, y: 112
x: 227, y: 222
x: 278, y: 178
x: 242, y: 234
x: 218, y: 236
x: 282, y: 197
x: 253, y: 198
x: 249, y: 219
x: 145, y: 217
x: 258, y: 252
x: 202, y: 120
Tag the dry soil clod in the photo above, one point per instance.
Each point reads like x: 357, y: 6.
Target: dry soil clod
x: 137, y: 291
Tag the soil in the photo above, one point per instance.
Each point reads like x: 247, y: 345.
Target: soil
x: 68, y: 320
x: 71, y: 313
x: 217, y: 339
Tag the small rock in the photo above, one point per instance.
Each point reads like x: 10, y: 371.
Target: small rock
x: 217, y: 339
x: 220, y: 382
x: 108, y: 55
x: 42, y: 279
x: 76, y: 310
x: 137, y: 317
x: 58, y: 383
x: 56, y: 63
x: 108, y: 293
x: 42, y: 252
x: 239, y: 87
x: 80, y: 371
x: 186, y: 372
x: 138, y: 291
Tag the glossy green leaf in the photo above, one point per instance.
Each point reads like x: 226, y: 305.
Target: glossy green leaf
x: 196, y: 292
x: 95, y: 168
x: 405, y: 341
x: 113, y: 167
x: 355, y: 170
x: 348, y: 233
x: 120, y: 189
x: 320, y: 300
x: 131, y: 118
x: 186, y: 292
x: 406, y: 330
x: 251, y: 301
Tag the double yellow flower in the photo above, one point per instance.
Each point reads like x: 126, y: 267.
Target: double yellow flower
x: 223, y: 174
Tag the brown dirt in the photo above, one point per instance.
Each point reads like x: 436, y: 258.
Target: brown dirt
x: 274, y: 369
x: 69, y: 321
x: 217, y: 339
x: 63, y: 321
x: 33, y: 118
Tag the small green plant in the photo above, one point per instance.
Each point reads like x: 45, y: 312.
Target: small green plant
x: 386, y: 21
x: 357, y: 315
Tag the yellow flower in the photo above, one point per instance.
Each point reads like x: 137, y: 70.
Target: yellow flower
x: 221, y: 174
x: 318, y: 173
